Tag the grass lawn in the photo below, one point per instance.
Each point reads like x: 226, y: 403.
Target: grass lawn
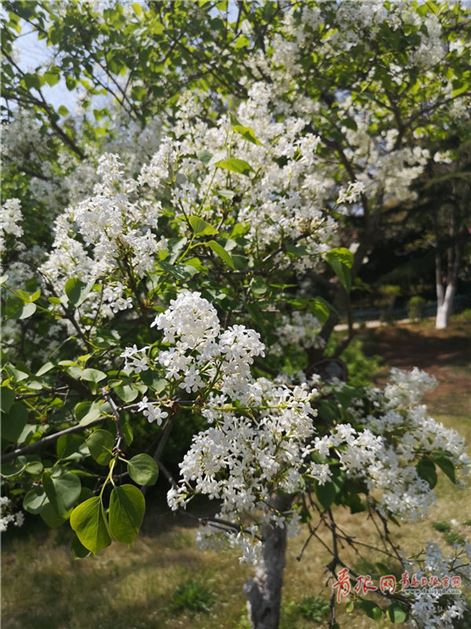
x: 164, y: 582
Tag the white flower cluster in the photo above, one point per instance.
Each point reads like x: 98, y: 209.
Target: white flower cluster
x: 386, y: 463
x: 261, y: 434
x: 439, y: 607
x: 383, y: 161
x: 250, y: 452
x: 257, y: 439
x: 108, y: 234
x: 152, y: 411
x: 7, y: 516
x: 198, y: 357
x: 351, y: 193
x: 10, y: 220
x: 299, y: 329
x: 281, y: 197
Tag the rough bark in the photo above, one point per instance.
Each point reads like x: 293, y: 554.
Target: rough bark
x: 263, y: 591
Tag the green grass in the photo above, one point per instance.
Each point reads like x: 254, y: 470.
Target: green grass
x: 163, y: 581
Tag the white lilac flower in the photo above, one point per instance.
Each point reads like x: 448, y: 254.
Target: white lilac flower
x: 152, y: 411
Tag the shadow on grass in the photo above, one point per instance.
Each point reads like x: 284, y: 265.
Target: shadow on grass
x: 422, y: 346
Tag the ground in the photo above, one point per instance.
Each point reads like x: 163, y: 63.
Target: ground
x: 164, y: 582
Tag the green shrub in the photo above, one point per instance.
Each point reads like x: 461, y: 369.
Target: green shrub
x: 415, y: 308
x: 312, y: 608
x: 361, y: 368
x: 192, y: 596
x: 464, y: 316
x: 389, y: 293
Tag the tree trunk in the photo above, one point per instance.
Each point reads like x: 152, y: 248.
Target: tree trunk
x: 446, y: 282
x: 445, y: 306
x: 263, y: 591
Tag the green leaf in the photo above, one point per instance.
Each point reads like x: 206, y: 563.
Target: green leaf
x: 27, y: 311
x: 34, y: 467
x: 88, y: 522
x: 35, y: 500
x: 201, y: 227
x: 247, y: 133
x: 88, y: 412
x: 52, y: 77
x: 195, y: 264
x: 32, y: 81
x: 17, y: 374
x: 143, y: 469
x: 235, y: 165
x: 74, y: 289
x: 341, y: 261
x: 127, y: 392
x: 326, y: 494
x: 100, y: 443
x: 68, y: 445
x: 221, y: 253
x: 7, y: 397
x: 426, y: 470
x: 446, y: 466
x: 320, y: 308
x: 241, y: 42
x: 14, y: 422
x: 51, y: 516
x: 372, y: 610
x: 397, y: 614
x: 92, y: 375
x: 79, y: 551
x: 62, y: 489
x: 44, y: 369
x: 127, y: 508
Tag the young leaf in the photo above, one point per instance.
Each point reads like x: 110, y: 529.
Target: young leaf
x: 235, y: 165
x: 44, y: 369
x: 341, y: 261
x: 247, y: 133
x: 88, y: 522
x: 74, y: 289
x: 201, y: 227
x: 143, y: 469
x: 221, y: 253
x: 27, y: 311
x: 127, y: 507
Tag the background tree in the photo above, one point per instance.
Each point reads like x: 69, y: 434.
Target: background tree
x: 253, y: 140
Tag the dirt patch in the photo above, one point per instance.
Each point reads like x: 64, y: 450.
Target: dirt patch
x: 446, y: 354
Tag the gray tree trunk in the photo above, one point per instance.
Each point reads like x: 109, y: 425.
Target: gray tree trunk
x: 263, y: 591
